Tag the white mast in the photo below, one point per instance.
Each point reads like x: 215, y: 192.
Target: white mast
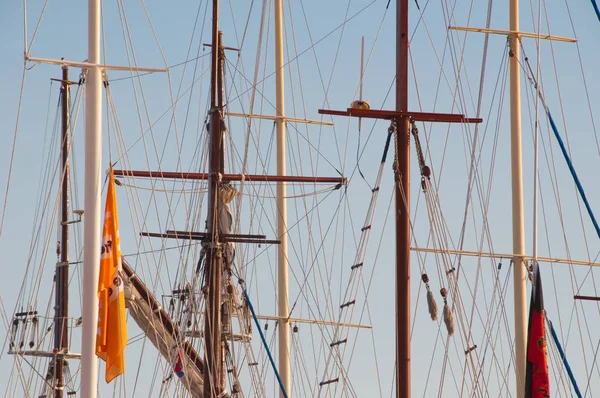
x: 282, y: 253
x: 91, y: 233
x: 520, y: 288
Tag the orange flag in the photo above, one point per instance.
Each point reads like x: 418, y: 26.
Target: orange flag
x: 111, y: 336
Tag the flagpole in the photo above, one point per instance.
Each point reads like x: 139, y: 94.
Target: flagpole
x: 92, y: 204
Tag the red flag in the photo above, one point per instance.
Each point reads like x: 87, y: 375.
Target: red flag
x: 537, y: 380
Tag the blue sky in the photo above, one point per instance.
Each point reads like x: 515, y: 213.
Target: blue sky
x: 62, y: 33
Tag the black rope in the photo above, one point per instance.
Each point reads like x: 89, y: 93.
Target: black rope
x: 391, y: 131
x: 425, y: 170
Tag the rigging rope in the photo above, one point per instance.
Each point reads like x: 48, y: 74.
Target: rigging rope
x: 443, y: 240
x: 262, y: 337
x: 596, y: 10
x: 349, y: 296
x: 571, y: 168
x: 430, y: 198
x: 563, y: 149
x: 564, y: 358
x: 573, y: 277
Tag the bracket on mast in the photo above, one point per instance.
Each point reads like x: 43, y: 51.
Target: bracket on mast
x: 231, y: 177
x: 85, y: 65
x: 307, y: 321
x: 389, y: 115
x: 542, y: 259
x: 222, y: 47
x: 46, y: 354
x: 544, y: 36
x: 226, y: 238
x: 589, y: 298
x: 285, y: 118
x: 69, y: 82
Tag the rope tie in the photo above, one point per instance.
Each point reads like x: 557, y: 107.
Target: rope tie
x: 431, y: 303
x: 448, y: 316
x: 34, y: 322
x: 425, y: 170
x: 393, y: 129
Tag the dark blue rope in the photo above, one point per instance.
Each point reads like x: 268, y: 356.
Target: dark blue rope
x: 596, y: 9
x: 262, y: 336
x: 573, y: 173
x: 564, y: 359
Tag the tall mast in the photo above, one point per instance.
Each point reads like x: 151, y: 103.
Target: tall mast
x: 282, y: 249
x: 221, y: 95
x: 92, y: 199
x: 519, y: 274
x: 401, y: 119
x: 91, y: 232
x: 402, y: 194
x: 61, y: 298
x: 518, y: 256
x: 214, y: 375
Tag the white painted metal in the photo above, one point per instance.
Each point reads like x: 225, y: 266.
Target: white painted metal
x: 282, y: 252
x: 92, y: 227
x: 514, y: 32
x: 89, y: 65
x: 555, y: 260
x: 317, y: 322
x: 286, y: 119
x: 519, y: 271
x: 308, y: 321
x: 520, y: 303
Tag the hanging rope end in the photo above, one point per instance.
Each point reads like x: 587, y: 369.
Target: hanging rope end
x: 448, y: 315
x: 432, y: 305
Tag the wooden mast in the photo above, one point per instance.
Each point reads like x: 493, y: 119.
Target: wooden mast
x: 401, y: 119
x: 402, y: 198
x: 61, y: 298
x: 214, y: 376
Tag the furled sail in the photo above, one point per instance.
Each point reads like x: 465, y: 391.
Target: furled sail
x: 162, y: 332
